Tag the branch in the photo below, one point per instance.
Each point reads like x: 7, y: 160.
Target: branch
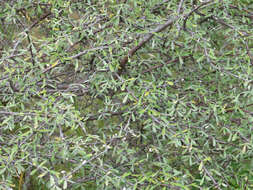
x: 58, y: 62
x: 161, y: 65
x: 194, y: 10
x: 152, y: 33
x: 208, y: 174
x: 30, y: 48
x: 39, y: 20
x: 28, y: 29
x: 144, y: 41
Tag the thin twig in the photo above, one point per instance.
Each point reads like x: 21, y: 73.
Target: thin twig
x: 209, y: 174
x: 194, y: 10
x: 28, y: 29
x: 74, y: 57
x: 179, y: 10
x: 30, y: 48
x: 88, y: 50
x: 248, y: 52
x: 161, y: 65
x: 85, y: 162
x: 39, y: 20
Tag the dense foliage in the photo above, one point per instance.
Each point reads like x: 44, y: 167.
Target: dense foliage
x: 126, y: 94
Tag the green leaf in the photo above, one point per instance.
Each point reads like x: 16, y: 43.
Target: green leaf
x: 125, y: 99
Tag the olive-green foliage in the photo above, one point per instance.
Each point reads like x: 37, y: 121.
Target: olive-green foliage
x: 177, y: 115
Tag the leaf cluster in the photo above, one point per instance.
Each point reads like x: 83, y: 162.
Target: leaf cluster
x: 126, y: 94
